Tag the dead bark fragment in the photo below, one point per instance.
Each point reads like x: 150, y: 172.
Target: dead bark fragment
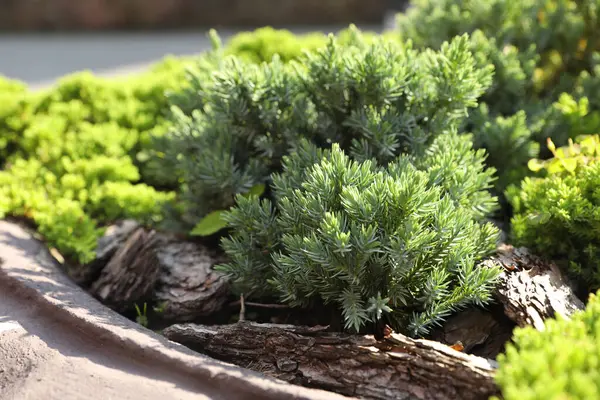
x: 395, y: 368
x: 187, y: 286
x: 143, y: 265
x: 130, y: 275
x: 114, y: 237
x: 532, y: 289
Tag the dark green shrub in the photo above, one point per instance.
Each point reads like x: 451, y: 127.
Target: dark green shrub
x: 390, y: 220
x: 377, y: 98
x: 508, y: 143
x: 557, y: 214
x: 401, y: 240
x: 539, y: 48
x: 562, y: 362
x: 564, y: 32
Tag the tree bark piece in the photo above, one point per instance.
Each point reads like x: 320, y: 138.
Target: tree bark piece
x: 130, y: 275
x: 114, y: 237
x: 141, y: 265
x: 395, y: 368
x: 532, y: 289
x: 187, y: 286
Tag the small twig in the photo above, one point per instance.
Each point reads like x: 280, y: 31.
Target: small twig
x: 242, y: 308
x: 259, y: 305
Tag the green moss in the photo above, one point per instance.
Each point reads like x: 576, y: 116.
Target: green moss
x: 558, y: 213
x: 262, y: 44
x: 71, y: 154
x: 560, y: 363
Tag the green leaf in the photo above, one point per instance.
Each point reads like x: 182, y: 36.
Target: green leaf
x: 535, y: 165
x: 210, y: 224
x: 256, y: 190
x: 570, y: 164
x: 555, y: 166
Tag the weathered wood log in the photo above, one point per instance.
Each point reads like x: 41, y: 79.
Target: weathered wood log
x: 395, y: 368
x: 143, y: 265
x: 532, y: 289
x: 188, y: 287
x: 131, y: 274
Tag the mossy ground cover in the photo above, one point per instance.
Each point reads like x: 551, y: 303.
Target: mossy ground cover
x: 73, y: 155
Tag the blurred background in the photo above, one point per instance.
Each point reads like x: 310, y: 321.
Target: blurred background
x: 41, y: 40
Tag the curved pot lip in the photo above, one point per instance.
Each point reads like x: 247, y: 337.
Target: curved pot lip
x: 30, y: 275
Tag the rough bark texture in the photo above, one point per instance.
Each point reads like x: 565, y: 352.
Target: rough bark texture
x: 532, y: 289
x: 395, y: 368
x: 153, y: 14
x: 135, y: 265
x: 131, y: 274
x: 187, y: 285
x: 114, y: 237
